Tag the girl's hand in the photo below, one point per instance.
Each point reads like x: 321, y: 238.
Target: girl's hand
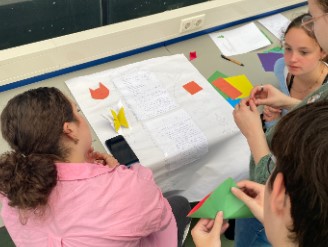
x: 207, y: 232
x: 101, y: 158
x: 271, y: 96
x: 252, y: 194
x: 271, y: 113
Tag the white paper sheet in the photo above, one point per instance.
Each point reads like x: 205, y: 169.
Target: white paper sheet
x: 144, y: 94
x: 180, y: 139
x: 240, y: 40
x: 228, y: 152
x: 276, y: 24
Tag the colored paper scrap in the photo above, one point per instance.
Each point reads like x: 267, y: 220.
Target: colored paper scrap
x: 241, y: 83
x: 216, y: 75
x: 268, y: 60
x: 101, y: 92
x: 220, y: 92
x: 277, y: 49
x: 221, y: 199
x: 192, y: 87
x: 192, y: 55
x: 233, y: 102
x: 119, y: 119
x: 227, y: 88
x: 213, y: 77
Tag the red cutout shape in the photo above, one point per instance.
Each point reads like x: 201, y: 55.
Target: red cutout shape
x: 101, y: 92
x: 192, y: 55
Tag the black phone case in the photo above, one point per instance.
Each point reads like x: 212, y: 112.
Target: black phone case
x: 121, y: 150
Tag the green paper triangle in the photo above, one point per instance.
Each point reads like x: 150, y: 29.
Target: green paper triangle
x: 221, y: 199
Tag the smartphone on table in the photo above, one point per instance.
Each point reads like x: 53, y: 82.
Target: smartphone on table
x: 121, y: 150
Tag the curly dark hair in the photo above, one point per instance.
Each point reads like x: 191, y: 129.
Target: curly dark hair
x: 300, y: 144
x: 32, y: 124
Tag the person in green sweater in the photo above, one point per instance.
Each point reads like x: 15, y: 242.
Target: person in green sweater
x: 248, y: 120
x: 293, y: 205
x: 250, y: 232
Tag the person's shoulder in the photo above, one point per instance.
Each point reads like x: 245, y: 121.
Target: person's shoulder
x: 279, y: 67
x: 2, y: 197
x: 138, y: 170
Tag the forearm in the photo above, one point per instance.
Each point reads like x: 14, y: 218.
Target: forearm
x: 258, y: 145
x: 290, y: 102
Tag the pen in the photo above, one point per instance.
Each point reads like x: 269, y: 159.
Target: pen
x: 232, y: 60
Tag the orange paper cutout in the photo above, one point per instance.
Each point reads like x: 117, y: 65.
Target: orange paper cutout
x: 227, y: 88
x: 101, y: 92
x: 192, y: 87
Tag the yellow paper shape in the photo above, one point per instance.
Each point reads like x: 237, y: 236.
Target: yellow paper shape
x: 119, y: 119
x: 242, y: 83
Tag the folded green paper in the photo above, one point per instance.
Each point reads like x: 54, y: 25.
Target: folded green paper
x: 221, y: 199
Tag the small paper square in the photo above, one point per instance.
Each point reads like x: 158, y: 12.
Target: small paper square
x: 192, y: 87
x: 192, y: 55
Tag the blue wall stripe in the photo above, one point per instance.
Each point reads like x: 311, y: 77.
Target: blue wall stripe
x: 140, y: 50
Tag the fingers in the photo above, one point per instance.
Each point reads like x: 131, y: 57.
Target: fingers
x: 252, y: 105
x: 249, y: 184
x: 202, y: 225
x: 274, y: 110
x: 106, y: 159
x: 224, y: 227
x: 218, y: 222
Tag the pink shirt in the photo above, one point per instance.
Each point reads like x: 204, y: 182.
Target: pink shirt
x: 94, y: 205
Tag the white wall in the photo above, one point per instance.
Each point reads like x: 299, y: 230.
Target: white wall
x: 63, y: 52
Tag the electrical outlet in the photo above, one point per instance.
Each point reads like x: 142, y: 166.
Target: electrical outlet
x: 192, y: 23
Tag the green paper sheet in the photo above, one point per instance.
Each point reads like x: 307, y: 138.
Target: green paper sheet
x: 217, y: 74
x: 221, y: 199
x: 277, y: 49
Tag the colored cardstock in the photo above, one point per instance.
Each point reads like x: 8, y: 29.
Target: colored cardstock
x: 216, y: 75
x: 242, y: 84
x: 233, y: 102
x: 213, y: 77
x: 192, y: 87
x: 269, y: 59
x: 221, y: 199
x: 227, y: 88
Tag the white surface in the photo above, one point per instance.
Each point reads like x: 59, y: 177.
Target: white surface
x: 276, y: 24
x: 228, y: 153
x: 240, y: 40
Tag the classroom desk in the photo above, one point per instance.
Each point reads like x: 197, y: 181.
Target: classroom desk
x: 208, y: 60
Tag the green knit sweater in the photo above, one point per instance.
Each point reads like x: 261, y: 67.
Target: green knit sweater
x: 259, y: 171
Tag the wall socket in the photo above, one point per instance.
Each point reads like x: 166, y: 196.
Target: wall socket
x: 192, y: 23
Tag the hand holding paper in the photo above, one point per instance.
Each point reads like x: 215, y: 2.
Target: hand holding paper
x: 252, y: 194
x: 221, y: 199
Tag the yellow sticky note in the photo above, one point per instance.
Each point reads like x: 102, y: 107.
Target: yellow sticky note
x: 241, y: 83
x: 119, y: 119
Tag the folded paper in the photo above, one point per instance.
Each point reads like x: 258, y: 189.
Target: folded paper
x: 119, y: 119
x: 221, y: 199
